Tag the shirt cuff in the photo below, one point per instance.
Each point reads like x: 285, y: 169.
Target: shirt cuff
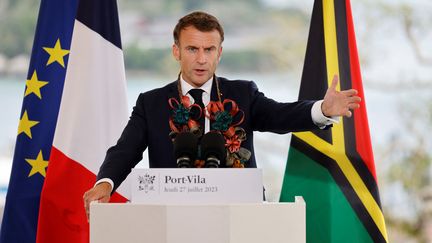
x: 318, y: 117
x: 105, y: 180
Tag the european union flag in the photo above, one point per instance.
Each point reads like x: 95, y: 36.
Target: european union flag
x: 38, y: 119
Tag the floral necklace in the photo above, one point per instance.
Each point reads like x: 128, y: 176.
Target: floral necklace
x: 225, y: 118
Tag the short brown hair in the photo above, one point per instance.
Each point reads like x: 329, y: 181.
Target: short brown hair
x: 201, y: 21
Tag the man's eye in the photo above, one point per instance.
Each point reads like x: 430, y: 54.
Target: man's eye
x: 191, y: 49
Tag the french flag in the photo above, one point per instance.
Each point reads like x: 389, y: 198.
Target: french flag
x: 77, y: 112
x: 92, y: 114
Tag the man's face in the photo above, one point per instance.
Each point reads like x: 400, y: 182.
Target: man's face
x: 198, y: 53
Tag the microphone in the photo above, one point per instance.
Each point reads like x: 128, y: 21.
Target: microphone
x: 185, y: 149
x: 213, y: 149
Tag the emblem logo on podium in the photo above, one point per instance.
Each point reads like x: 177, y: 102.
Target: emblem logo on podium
x: 145, y: 183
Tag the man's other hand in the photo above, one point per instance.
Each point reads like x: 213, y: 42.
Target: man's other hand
x: 101, y: 193
x: 339, y: 103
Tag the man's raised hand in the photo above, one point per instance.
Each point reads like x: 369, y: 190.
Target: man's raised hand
x: 339, y: 103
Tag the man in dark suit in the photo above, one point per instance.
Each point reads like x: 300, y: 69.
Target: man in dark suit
x: 235, y: 108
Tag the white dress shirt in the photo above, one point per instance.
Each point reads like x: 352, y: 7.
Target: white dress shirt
x: 206, y: 87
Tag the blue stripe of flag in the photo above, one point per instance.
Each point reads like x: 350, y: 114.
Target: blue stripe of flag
x: 101, y: 16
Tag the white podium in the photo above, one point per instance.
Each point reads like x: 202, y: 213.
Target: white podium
x: 198, y: 223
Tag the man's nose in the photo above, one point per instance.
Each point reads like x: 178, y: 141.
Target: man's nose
x: 201, y: 57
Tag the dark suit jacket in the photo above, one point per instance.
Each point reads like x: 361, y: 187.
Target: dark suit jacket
x: 148, y: 125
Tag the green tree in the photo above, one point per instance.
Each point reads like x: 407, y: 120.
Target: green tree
x: 17, y: 26
x: 411, y: 167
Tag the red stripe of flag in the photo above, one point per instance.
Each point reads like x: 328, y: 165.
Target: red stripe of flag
x: 364, y: 146
x: 62, y: 203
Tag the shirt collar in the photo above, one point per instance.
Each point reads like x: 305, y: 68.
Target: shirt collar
x: 185, y: 86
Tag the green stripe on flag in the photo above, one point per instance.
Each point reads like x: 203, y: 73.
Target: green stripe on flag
x: 329, y: 216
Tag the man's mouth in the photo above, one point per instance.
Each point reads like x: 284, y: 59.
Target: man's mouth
x: 200, y: 71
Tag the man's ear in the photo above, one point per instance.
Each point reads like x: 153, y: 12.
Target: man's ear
x: 220, y: 53
x: 176, y: 52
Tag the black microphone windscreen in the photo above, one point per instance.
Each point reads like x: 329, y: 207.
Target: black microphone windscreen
x: 213, y: 144
x: 186, y: 144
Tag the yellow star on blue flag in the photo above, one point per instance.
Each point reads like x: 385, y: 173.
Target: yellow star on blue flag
x: 56, y: 53
x: 33, y: 85
x: 26, y: 124
x: 38, y: 165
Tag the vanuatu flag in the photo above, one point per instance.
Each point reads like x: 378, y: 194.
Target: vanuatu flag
x: 334, y: 169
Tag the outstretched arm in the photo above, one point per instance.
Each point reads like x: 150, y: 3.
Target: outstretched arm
x: 339, y: 103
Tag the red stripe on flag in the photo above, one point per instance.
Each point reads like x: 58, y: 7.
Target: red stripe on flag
x: 61, y: 215
x: 363, y: 141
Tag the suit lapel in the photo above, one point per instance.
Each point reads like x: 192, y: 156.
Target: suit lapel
x: 214, y: 95
x: 214, y: 92
x: 173, y: 91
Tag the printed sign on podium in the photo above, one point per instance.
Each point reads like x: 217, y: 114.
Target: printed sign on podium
x: 223, y: 185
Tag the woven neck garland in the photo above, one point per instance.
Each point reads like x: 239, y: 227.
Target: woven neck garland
x: 225, y: 118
